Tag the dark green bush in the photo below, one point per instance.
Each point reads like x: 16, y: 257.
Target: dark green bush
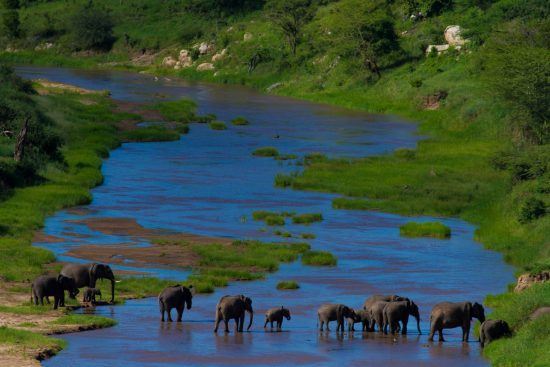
x: 531, y: 209
x: 92, y: 29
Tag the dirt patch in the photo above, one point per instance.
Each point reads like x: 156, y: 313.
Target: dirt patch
x: 48, y: 87
x: 40, y: 236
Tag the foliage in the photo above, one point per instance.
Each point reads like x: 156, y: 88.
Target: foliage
x: 150, y: 133
x: 180, y: 111
x: 29, y: 339
x: 288, y: 284
x: 531, y: 209
x: 266, y: 152
x: 290, y: 16
x: 319, y: 258
x: 307, y: 218
x: 92, y: 29
x: 86, y: 320
x: 425, y: 229
x: 239, y: 121
x: 217, y: 125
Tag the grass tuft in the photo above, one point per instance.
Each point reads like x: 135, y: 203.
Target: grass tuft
x: 319, y: 258
x: 240, y: 121
x: 266, y: 152
x: 307, y: 218
x: 425, y: 229
x: 217, y: 125
x: 288, y: 284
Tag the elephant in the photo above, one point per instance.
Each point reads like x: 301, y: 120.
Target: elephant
x: 276, y: 315
x: 334, y: 312
x: 361, y: 316
x: 45, y: 286
x: 233, y: 307
x: 90, y: 294
x: 177, y: 297
x: 448, y: 315
x: 372, y: 300
x: 86, y: 275
x: 394, y: 312
x: 376, y: 311
x: 492, y: 330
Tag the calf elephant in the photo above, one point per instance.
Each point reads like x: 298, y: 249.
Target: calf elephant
x: 234, y: 307
x: 86, y: 275
x: 276, y: 315
x: 395, y: 312
x: 334, y: 312
x: 177, y: 297
x: 492, y: 330
x: 90, y: 294
x: 45, y: 286
x: 361, y: 316
x: 448, y: 315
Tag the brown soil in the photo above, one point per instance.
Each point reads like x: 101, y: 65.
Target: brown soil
x: 40, y: 236
x: 136, y: 108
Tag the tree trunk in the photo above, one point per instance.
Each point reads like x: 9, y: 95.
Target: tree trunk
x: 20, y: 142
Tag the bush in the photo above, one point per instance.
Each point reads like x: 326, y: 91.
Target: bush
x: 531, y: 209
x: 92, y: 29
x: 427, y: 229
x: 319, y: 258
x: 307, y: 218
x: 266, y: 152
x: 288, y: 284
x: 275, y: 220
x: 217, y: 125
x: 239, y: 121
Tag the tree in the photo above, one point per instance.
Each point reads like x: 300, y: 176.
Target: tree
x: 92, y: 29
x: 359, y: 28
x: 10, y: 18
x: 290, y: 16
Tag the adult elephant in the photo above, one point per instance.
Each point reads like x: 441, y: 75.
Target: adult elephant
x: 334, y: 312
x: 86, y: 275
x: 234, y: 307
x: 372, y: 300
x: 448, y: 315
x: 492, y: 330
x: 45, y: 286
x: 177, y: 297
x: 395, y: 312
x: 376, y: 310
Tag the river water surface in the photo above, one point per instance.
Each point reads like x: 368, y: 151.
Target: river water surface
x: 208, y: 183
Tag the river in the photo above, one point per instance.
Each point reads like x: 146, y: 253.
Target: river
x: 208, y: 183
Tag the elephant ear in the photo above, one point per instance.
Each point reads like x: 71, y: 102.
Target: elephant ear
x: 93, y: 269
x: 468, y: 309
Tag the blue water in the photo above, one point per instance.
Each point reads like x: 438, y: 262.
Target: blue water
x: 208, y: 183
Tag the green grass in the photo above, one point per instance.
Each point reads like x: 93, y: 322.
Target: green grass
x: 217, y: 125
x: 270, y: 218
x: 319, y: 258
x: 288, y: 284
x: 150, y: 134
x: 266, y: 152
x: 282, y: 234
x: 307, y: 218
x: 240, y: 121
x: 29, y: 339
x: 351, y: 204
x: 28, y: 309
x: 425, y: 229
x: 308, y: 236
x: 85, y: 320
x: 179, y: 111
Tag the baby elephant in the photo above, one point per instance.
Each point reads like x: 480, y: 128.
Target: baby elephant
x: 276, y: 315
x: 90, y: 294
x: 492, y: 330
x: 361, y: 316
x: 45, y: 286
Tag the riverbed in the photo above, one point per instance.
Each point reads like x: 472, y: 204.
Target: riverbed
x: 208, y: 183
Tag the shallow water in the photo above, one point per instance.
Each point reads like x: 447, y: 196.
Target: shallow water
x: 209, y: 183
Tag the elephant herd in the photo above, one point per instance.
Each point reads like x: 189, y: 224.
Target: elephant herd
x: 386, y: 313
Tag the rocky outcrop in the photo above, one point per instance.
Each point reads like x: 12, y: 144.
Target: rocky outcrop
x: 220, y: 55
x: 169, y: 62
x: 184, y: 59
x: 44, y: 46
x: 204, y: 48
x: 527, y: 280
x: 205, y: 66
x: 453, y: 37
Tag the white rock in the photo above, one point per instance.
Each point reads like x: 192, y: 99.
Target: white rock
x: 453, y: 37
x: 184, y: 59
x: 247, y: 37
x: 219, y: 55
x: 205, y: 66
x: 169, y: 62
x: 204, y: 48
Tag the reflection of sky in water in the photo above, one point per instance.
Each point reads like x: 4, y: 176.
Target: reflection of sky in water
x: 207, y: 182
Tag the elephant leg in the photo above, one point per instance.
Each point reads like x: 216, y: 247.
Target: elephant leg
x: 441, y: 339
x: 226, y: 322
x: 405, y: 322
x: 271, y: 324
x: 328, y: 328
x: 180, y: 313
x: 47, y: 300
x: 55, y: 302
x: 217, y: 322
x: 241, y: 323
x: 266, y: 322
x: 280, y: 324
x: 465, y: 333
x: 322, y: 324
x: 168, y: 312
x: 41, y: 301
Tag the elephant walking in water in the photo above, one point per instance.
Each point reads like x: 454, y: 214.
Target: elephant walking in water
x: 176, y: 297
x: 395, y: 312
x: 448, y: 315
x: 334, y: 312
x: 233, y: 307
x: 361, y: 316
x: 86, y: 275
x: 45, y: 286
x: 375, y: 309
x: 276, y: 315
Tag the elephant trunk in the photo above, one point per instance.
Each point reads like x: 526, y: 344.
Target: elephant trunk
x: 251, y: 318
x: 112, y: 289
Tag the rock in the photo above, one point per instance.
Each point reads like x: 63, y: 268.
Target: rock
x: 204, y: 48
x: 541, y: 311
x: 247, y: 37
x: 44, y: 46
x: 185, y: 59
x: 432, y: 102
x: 169, y: 62
x: 527, y: 280
x: 273, y: 86
x: 219, y: 55
x: 438, y: 48
x: 453, y: 37
x: 205, y: 66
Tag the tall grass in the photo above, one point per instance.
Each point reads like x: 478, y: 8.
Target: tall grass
x: 425, y: 229
x: 29, y: 339
x: 319, y: 258
x: 179, y: 111
x: 266, y: 152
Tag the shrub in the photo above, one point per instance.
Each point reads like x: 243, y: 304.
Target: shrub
x: 288, y: 284
x: 426, y: 229
x: 239, y: 121
x: 307, y: 218
x: 531, y: 209
x: 217, y: 125
x: 319, y: 258
x: 92, y: 29
x: 266, y: 152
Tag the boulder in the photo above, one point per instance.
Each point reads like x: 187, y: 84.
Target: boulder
x: 205, y: 66
x: 44, y: 46
x: 453, y: 37
x: 204, y: 48
x: 169, y: 62
x: 527, y: 280
x: 219, y: 55
x: 247, y: 37
x: 185, y: 59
